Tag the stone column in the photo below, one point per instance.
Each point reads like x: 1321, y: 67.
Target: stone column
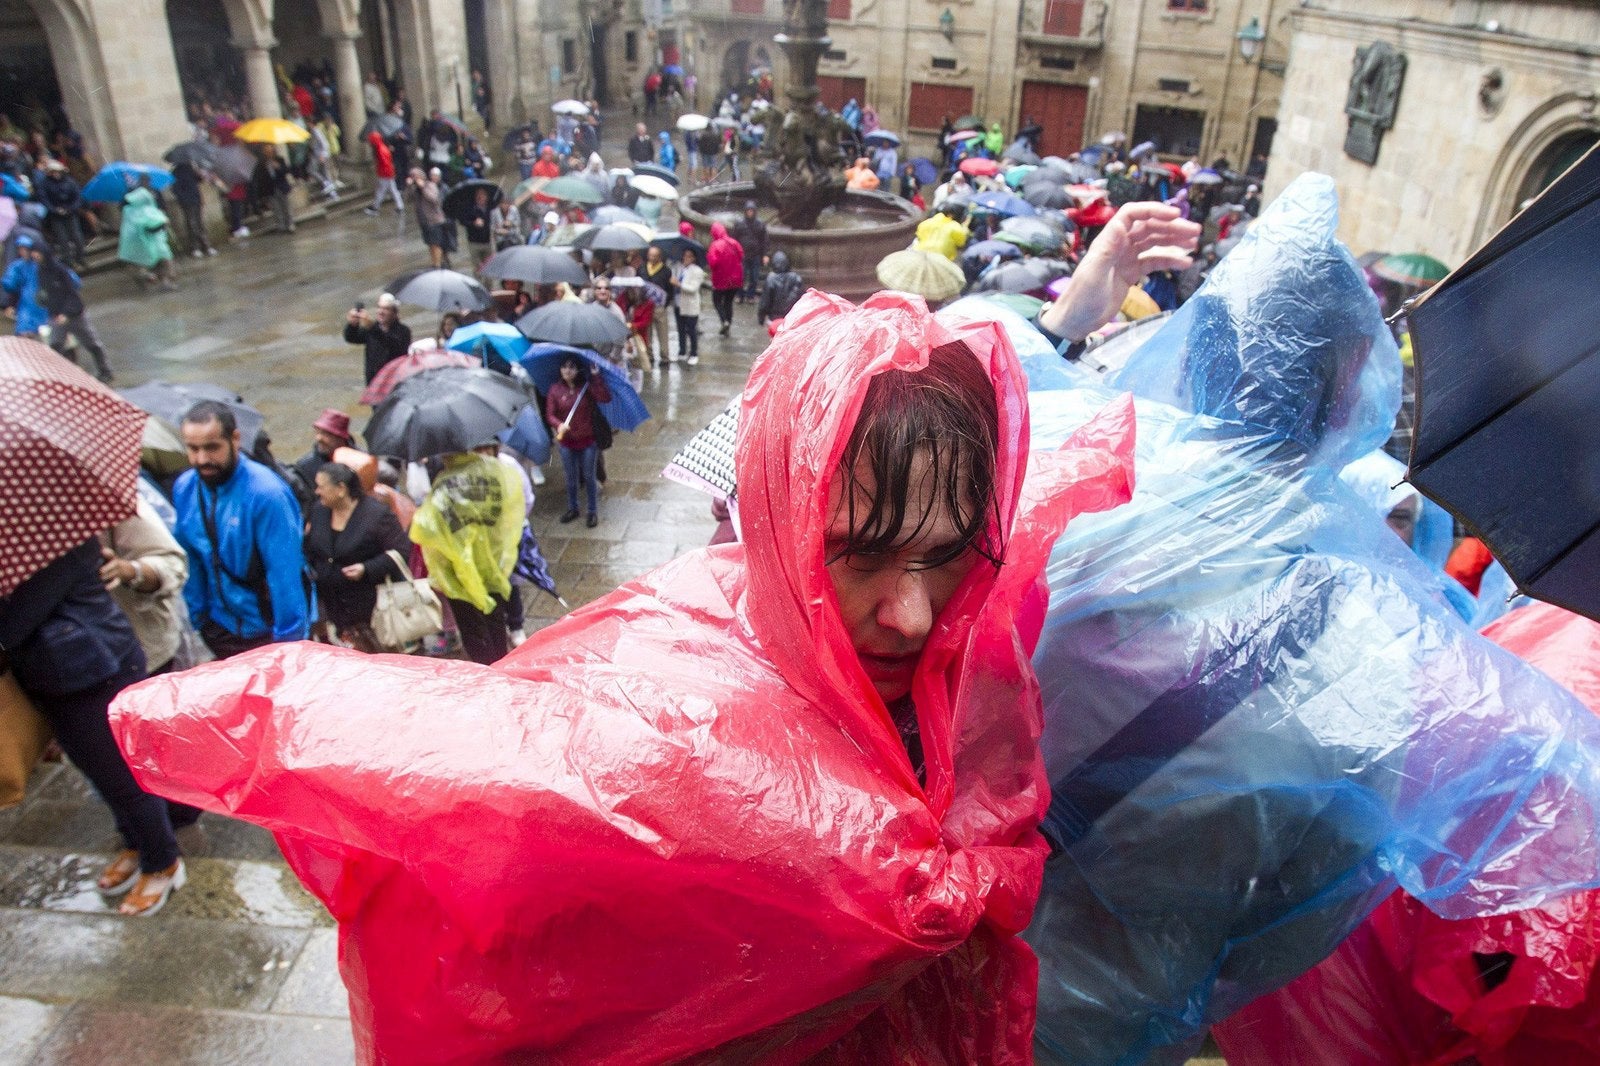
x: 347, y: 68
x: 265, y: 101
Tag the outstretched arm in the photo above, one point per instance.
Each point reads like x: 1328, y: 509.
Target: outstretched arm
x: 1141, y: 238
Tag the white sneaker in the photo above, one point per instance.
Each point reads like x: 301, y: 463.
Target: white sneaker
x: 517, y: 637
x: 693, y: 360
x: 198, y: 254
x: 211, y: 251
x: 537, y: 476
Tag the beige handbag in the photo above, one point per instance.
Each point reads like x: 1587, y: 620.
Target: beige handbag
x: 24, y: 734
x: 406, y: 610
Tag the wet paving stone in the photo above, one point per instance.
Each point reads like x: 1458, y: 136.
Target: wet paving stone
x: 313, y: 986
x: 99, y: 1034
x: 24, y: 1025
x: 162, y: 959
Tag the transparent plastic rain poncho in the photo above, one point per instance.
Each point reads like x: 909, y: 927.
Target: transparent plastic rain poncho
x: 1261, y: 714
x: 680, y: 824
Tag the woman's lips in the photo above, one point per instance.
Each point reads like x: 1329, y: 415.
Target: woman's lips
x: 879, y: 667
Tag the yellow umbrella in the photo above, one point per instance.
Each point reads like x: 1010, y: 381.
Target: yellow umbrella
x: 271, y: 131
x: 925, y: 274
x: 1138, y: 304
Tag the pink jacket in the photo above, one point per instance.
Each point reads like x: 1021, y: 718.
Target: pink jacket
x: 725, y: 257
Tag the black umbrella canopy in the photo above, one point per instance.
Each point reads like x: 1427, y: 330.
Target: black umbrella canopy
x: 461, y: 199
x: 452, y: 409
x: 440, y: 290
x: 578, y: 324
x: 386, y: 125
x: 1506, y: 437
x: 201, y: 154
x: 673, y: 245
x: 659, y: 171
x: 613, y: 238
x: 170, y: 401
x: 1049, y: 193
x: 535, y: 265
x: 1011, y: 277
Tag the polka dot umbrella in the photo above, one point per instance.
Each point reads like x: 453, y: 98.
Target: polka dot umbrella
x: 69, y: 458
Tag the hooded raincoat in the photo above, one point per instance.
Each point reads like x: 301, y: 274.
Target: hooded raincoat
x: 680, y: 821
x: 469, y: 527
x: 725, y: 258
x: 143, y: 240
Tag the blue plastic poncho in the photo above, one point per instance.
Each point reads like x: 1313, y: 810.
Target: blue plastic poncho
x: 1261, y: 715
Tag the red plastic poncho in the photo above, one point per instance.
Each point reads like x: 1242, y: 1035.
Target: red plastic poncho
x: 680, y: 822
x: 1407, y: 987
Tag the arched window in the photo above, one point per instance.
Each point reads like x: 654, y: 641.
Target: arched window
x: 1554, y: 161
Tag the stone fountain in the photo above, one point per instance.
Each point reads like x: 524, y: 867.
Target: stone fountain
x: 833, y: 236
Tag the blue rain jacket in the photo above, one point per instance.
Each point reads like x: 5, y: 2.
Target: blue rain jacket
x: 258, y: 526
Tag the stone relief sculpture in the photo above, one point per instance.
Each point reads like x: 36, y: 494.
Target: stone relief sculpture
x: 1373, y: 98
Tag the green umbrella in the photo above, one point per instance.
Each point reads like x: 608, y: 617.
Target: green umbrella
x: 1026, y: 306
x: 1412, y: 268
x: 572, y: 190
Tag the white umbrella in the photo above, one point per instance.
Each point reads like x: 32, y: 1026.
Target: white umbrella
x: 693, y: 123
x: 650, y: 185
x: 570, y: 107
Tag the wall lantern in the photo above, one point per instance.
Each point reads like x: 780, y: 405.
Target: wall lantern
x: 1250, y: 38
x: 947, y: 25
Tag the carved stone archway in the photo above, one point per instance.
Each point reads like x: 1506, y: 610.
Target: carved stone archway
x: 1530, y: 149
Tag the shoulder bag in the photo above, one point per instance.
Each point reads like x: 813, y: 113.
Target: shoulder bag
x: 406, y: 611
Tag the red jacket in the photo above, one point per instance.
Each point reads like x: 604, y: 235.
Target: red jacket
x: 382, y: 158
x: 725, y: 258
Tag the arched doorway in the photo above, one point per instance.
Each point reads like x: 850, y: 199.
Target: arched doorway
x: 30, y: 94
x: 743, y: 64
x: 210, y: 70
x: 1554, y: 161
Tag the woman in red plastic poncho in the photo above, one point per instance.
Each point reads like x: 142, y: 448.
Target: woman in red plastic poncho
x: 774, y: 801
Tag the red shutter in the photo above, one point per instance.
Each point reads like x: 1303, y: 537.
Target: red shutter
x: 835, y: 91
x: 748, y: 7
x: 839, y: 9
x: 929, y: 104
x: 1063, y: 18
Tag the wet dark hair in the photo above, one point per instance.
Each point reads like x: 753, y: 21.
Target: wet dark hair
x: 212, y: 411
x: 947, y: 412
x: 574, y: 362
x: 340, y: 474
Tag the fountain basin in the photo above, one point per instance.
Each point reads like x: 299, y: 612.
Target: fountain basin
x: 840, y: 256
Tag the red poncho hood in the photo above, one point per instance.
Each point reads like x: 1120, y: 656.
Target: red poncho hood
x: 678, y: 822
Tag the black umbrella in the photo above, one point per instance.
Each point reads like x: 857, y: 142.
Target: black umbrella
x: 673, y: 245
x: 459, y: 201
x: 580, y: 325
x: 199, y: 154
x: 453, y: 409
x: 234, y: 164
x: 613, y: 238
x: 1048, y: 192
x: 1023, y: 155
x: 170, y: 401
x: 659, y: 171
x: 535, y: 265
x: 1506, y: 436
x: 440, y: 290
x: 514, y: 136
x: 386, y: 124
x: 1011, y: 277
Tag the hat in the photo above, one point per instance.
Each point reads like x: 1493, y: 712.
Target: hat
x: 54, y: 164
x: 388, y: 300
x: 25, y: 240
x: 332, y: 420
x: 435, y: 172
x: 552, y: 219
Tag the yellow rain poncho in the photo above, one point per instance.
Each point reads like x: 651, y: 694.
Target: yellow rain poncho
x: 469, y: 528
x: 941, y: 235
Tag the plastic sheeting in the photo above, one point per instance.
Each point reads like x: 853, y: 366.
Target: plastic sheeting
x: 1261, y: 716
x: 1408, y: 987
x: 679, y: 822
x: 469, y: 526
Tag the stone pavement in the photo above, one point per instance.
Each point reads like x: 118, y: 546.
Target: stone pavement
x: 240, y: 967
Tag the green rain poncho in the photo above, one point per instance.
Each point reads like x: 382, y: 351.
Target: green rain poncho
x: 469, y: 527
x: 995, y: 140
x: 143, y: 239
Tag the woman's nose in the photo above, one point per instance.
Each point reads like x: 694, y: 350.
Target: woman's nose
x: 905, y: 606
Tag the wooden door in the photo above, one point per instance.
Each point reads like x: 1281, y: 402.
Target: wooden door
x: 1060, y: 109
x: 834, y: 92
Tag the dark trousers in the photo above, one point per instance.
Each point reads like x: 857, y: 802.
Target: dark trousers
x: 688, y: 335
x: 579, y: 466
x: 77, y: 327
x: 225, y: 644
x: 235, y: 214
x: 516, y: 610
x: 66, y: 234
x: 752, y: 275
x: 722, y: 300
x: 483, y: 636
x: 84, y: 733
x: 194, y: 227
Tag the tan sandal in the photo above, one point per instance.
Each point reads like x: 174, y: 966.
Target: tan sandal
x: 119, y: 876
x: 151, y: 893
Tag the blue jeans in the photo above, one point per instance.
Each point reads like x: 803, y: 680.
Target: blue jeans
x: 579, y: 465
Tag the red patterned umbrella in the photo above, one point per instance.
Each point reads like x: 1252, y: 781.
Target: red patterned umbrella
x: 397, y: 370
x: 69, y: 458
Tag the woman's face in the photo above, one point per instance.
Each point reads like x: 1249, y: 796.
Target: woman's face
x: 688, y: 257
x: 329, y: 492
x: 570, y: 373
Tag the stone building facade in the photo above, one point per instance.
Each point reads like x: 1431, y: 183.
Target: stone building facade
x: 1164, y: 68
x: 1494, y: 101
